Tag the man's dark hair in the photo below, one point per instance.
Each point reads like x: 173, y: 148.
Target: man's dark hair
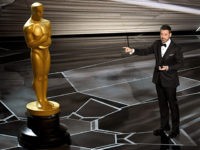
x: 166, y: 27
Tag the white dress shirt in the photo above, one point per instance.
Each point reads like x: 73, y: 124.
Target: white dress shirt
x: 164, y: 49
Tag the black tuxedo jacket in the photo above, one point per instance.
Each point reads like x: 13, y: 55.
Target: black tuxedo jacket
x: 173, y: 58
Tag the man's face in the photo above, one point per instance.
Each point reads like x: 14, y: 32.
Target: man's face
x: 165, y: 35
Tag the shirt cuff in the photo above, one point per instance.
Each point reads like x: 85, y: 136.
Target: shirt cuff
x: 133, y: 50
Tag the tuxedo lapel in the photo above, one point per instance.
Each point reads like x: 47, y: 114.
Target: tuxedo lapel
x: 159, y: 53
x: 169, y: 49
x: 159, y: 50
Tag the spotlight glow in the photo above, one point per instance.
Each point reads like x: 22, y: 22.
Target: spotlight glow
x: 158, y: 5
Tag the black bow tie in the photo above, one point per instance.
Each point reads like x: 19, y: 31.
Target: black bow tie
x: 163, y: 45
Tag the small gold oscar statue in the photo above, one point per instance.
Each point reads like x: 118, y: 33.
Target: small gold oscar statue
x: 37, y: 32
x: 43, y: 115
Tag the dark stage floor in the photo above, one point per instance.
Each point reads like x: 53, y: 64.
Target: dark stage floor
x: 107, y: 98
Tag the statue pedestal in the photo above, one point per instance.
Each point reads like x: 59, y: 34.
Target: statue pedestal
x: 43, y: 132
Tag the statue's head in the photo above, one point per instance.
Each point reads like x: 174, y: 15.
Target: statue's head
x: 37, y: 11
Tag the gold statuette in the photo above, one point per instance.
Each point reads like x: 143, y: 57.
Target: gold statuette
x: 37, y: 32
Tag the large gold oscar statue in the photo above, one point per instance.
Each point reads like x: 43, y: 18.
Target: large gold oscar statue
x: 37, y: 32
x: 43, y: 128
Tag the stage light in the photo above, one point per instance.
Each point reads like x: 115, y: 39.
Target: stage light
x: 198, y: 29
x: 159, y: 5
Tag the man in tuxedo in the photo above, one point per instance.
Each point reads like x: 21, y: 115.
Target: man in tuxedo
x: 169, y: 58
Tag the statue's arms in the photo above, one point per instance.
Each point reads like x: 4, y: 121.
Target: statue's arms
x: 31, y: 41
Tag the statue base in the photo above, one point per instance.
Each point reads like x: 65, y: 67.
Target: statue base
x: 51, y: 108
x: 43, y: 132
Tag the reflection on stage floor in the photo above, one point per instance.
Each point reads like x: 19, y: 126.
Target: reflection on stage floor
x: 107, y: 99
